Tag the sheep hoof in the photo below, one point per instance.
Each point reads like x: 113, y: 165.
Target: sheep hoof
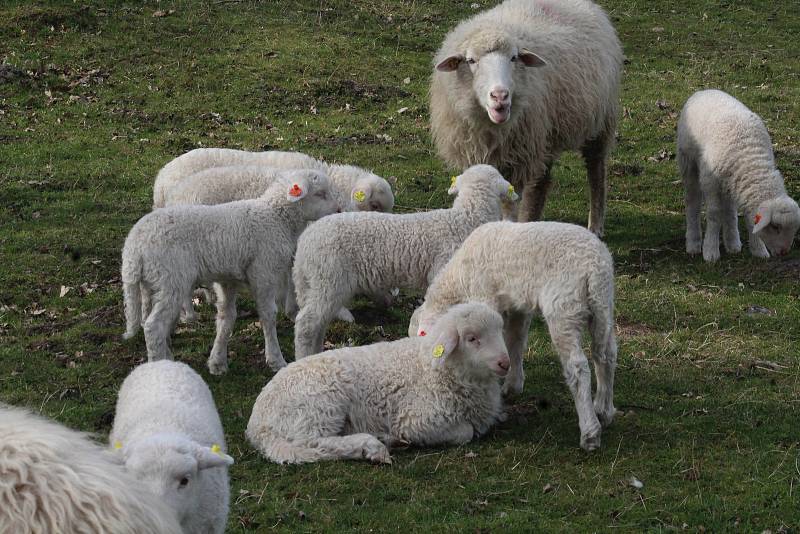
x: 590, y: 442
x: 216, y: 367
x: 605, y: 415
x: 376, y: 452
x: 710, y: 255
x: 694, y: 247
x: 276, y: 364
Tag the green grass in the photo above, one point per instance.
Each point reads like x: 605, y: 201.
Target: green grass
x: 96, y: 96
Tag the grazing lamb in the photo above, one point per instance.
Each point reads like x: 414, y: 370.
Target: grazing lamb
x: 54, y: 479
x: 725, y: 156
x: 568, y: 103
x: 566, y: 275
x: 354, y: 188
x: 341, y: 256
x: 169, y: 434
x: 353, y: 403
x: 170, y: 250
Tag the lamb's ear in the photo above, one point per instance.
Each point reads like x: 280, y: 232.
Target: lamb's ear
x: 506, y: 190
x: 361, y: 193
x: 450, y: 64
x: 761, y: 220
x: 529, y: 59
x: 444, y: 345
x: 453, y: 185
x: 297, y: 189
x: 213, y: 456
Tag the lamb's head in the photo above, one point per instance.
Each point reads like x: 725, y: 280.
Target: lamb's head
x: 372, y: 193
x: 468, y: 337
x: 311, y: 189
x: 776, y: 223
x: 492, y: 64
x: 172, y: 466
x: 485, y: 180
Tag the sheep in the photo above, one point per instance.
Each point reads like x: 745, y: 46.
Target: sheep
x: 354, y: 403
x: 356, y: 189
x: 167, y: 431
x: 252, y: 242
x: 560, y: 63
x: 343, y: 255
x: 725, y: 156
x: 566, y: 275
x: 54, y: 479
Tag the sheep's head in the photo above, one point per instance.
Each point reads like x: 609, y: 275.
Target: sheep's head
x: 372, y: 193
x: 172, y: 466
x: 312, y: 190
x: 776, y: 222
x: 492, y: 65
x: 468, y: 337
x: 483, y: 176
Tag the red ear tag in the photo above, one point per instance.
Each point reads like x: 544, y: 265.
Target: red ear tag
x: 295, y: 191
x: 758, y: 218
x: 422, y: 333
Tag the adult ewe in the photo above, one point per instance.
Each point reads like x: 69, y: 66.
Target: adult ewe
x: 559, y: 63
x: 352, y: 403
x: 725, y: 157
x: 54, y: 479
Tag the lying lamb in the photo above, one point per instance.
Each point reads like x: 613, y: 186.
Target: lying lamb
x: 725, y: 156
x: 567, y: 275
x: 170, y: 250
x: 53, y: 479
x: 355, y: 189
x: 169, y: 434
x: 518, y: 84
x: 353, y: 403
x: 344, y: 255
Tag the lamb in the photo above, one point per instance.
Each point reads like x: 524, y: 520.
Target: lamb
x: 169, y: 435
x: 567, y: 275
x: 725, y: 156
x: 354, y: 403
x: 249, y: 242
x: 343, y: 255
x: 355, y: 189
x: 560, y: 64
x: 54, y: 479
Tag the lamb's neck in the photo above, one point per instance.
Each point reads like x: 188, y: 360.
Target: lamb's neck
x: 759, y: 189
x: 289, y: 213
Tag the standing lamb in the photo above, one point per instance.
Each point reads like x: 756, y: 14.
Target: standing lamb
x: 351, y: 253
x: 568, y: 103
x: 169, y: 434
x: 54, y: 479
x: 353, y: 403
x: 566, y: 275
x: 725, y: 156
x: 170, y: 250
x: 355, y: 189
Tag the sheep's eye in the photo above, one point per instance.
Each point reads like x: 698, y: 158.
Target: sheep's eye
x: 471, y: 61
x: 514, y: 58
x: 184, y: 482
x: 473, y: 339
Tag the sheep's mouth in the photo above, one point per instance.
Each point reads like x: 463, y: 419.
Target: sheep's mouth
x: 500, y: 369
x: 499, y: 114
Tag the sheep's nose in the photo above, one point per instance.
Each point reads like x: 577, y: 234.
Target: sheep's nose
x: 503, y: 362
x: 499, y: 95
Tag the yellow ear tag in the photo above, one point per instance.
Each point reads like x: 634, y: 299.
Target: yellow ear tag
x: 510, y: 192
x: 118, y: 445
x: 453, y: 181
x: 216, y: 449
x: 438, y: 350
x: 360, y: 196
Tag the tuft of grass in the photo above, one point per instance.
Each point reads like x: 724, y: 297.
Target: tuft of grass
x: 96, y: 97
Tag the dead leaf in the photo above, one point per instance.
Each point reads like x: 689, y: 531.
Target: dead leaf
x: 162, y: 13
x: 635, y: 483
x: 64, y: 291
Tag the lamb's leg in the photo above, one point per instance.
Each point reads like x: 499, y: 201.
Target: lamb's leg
x: 534, y: 195
x: 226, y: 317
x: 290, y: 307
x: 515, y: 332
x: 595, y: 153
x: 157, y: 327
x: 730, y: 225
x: 146, y: 299
x: 267, y: 310
x: 350, y: 447
x: 757, y: 247
x: 565, y: 333
x: 188, y: 315
x: 309, y: 329
x: 693, y: 199
x: 713, y: 224
x: 604, y: 357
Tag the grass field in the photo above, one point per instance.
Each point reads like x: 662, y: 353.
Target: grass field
x: 96, y: 96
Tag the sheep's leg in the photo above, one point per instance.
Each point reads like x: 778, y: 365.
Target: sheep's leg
x: 289, y: 299
x: 159, y: 323
x: 309, y: 330
x: 534, y: 195
x: 188, y: 315
x: 604, y: 357
x: 756, y: 245
x: 226, y: 317
x: 146, y: 299
x: 693, y: 199
x: 594, y: 154
x: 565, y: 333
x: 713, y: 224
x: 351, y: 447
x: 516, y: 338
x: 730, y: 225
x: 267, y: 310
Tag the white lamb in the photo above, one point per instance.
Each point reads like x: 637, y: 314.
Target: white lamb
x: 356, y: 189
x: 353, y: 403
x: 351, y: 253
x: 567, y: 275
x: 725, y: 156
x: 54, y: 479
x: 169, y: 434
x: 252, y: 242
x: 568, y: 103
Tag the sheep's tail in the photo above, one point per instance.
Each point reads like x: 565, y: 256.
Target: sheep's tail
x: 132, y: 292
x: 306, y: 450
x: 601, y: 307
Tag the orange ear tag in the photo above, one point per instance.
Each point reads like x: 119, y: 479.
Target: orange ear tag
x: 758, y: 218
x: 295, y: 191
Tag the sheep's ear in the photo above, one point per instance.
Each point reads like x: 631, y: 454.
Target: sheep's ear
x: 506, y: 190
x: 213, y: 456
x: 446, y: 342
x: 297, y: 190
x: 454, y: 180
x: 761, y: 220
x: 450, y: 64
x: 361, y: 193
x: 529, y: 59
